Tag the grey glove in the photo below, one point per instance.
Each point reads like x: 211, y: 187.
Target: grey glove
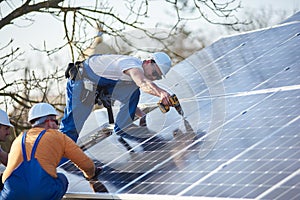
x: 143, y: 121
x: 98, y: 171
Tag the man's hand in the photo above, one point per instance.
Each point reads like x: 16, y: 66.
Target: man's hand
x: 165, y: 98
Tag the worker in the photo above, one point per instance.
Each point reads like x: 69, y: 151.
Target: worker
x: 34, y: 156
x: 120, y: 77
x: 5, y: 126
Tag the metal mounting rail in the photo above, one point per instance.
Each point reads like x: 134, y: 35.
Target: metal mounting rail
x: 108, y: 196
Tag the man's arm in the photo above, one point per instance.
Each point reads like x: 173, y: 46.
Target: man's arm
x: 147, y: 85
x: 77, y: 156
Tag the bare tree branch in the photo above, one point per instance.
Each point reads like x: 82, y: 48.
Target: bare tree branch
x: 77, y: 21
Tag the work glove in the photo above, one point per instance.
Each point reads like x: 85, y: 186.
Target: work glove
x: 97, y: 186
x: 143, y: 121
x: 98, y: 171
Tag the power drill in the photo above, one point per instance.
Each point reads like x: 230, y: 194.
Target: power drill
x: 175, y: 103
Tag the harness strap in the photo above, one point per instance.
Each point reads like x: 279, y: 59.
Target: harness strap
x: 34, y: 146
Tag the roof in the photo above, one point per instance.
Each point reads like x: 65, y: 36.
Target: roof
x: 239, y: 138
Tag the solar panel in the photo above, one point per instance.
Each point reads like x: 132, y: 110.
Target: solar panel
x: 239, y: 138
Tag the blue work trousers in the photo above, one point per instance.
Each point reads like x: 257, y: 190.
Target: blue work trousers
x: 80, y: 101
x: 29, y: 181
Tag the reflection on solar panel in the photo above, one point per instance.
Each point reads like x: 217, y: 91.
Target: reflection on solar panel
x: 240, y: 137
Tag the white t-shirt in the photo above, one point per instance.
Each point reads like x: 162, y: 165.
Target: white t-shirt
x: 113, y: 66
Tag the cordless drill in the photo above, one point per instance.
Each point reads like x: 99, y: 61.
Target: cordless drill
x: 175, y: 103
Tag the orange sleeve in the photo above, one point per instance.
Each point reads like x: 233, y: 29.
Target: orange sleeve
x: 78, y: 157
x: 52, y: 147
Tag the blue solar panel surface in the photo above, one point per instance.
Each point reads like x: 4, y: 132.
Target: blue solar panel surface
x: 240, y: 136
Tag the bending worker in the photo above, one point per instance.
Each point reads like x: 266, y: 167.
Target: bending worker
x: 118, y: 76
x: 5, y: 126
x: 34, y: 157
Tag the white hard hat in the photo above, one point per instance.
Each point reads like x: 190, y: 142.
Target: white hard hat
x: 163, y: 61
x: 4, y: 119
x: 41, y: 110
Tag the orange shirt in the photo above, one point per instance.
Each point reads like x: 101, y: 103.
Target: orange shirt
x: 52, y: 147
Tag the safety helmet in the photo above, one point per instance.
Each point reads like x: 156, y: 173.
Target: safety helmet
x: 41, y: 110
x: 163, y: 61
x: 4, y: 119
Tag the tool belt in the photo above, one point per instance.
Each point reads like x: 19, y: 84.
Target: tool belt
x: 75, y: 71
x: 103, y: 97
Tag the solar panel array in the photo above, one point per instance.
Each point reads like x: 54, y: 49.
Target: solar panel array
x: 240, y: 135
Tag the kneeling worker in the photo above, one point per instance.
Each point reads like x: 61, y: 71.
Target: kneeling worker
x: 5, y: 126
x: 34, y: 156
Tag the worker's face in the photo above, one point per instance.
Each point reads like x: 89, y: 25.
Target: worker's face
x: 4, y: 132
x: 52, y: 122
x: 152, y: 71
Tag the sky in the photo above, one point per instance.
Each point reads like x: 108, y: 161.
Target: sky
x: 44, y: 27
x: 275, y: 4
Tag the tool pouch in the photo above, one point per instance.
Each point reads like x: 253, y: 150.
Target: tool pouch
x: 88, y: 91
x: 103, y: 97
x: 73, y: 70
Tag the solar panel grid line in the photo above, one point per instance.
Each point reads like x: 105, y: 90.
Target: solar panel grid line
x: 261, y: 196
x: 270, y: 78
x: 188, y: 176
x: 194, y: 61
x: 265, y: 32
x: 167, y: 188
x: 259, y: 57
x: 238, y: 94
x: 262, y: 170
x: 134, y: 148
x: 235, y: 184
x: 283, y: 153
x: 287, y: 193
x: 261, y: 174
x: 238, y: 70
x: 292, y: 19
x: 205, y: 77
x: 211, y: 61
x: 143, y: 142
x: 260, y: 157
x: 233, y: 159
x: 234, y: 193
x: 158, y: 166
x: 207, y: 145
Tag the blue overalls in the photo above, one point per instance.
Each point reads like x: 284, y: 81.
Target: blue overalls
x: 29, y: 181
x: 78, y: 108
